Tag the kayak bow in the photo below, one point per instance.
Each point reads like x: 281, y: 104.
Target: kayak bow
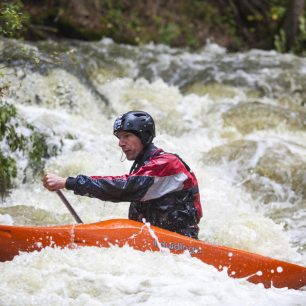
x: 119, y: 232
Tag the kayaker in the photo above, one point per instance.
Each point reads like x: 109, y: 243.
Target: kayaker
x: 160, y: 186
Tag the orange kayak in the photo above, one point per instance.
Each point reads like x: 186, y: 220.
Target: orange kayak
x: 119, y: 232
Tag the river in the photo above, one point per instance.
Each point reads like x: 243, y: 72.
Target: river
x: 237, y: 119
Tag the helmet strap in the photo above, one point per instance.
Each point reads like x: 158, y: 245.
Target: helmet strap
x: 123, y: 158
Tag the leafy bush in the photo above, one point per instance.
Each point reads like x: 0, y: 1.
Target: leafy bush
x: 300, y: 42
x: 13, y: 141
x: 12, y: 18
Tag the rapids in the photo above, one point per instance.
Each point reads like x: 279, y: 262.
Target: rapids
x: 239, y: 121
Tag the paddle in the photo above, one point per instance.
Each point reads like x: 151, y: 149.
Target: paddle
x: 70, y: 208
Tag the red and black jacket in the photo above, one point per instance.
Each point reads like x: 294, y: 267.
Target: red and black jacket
x: 161, y: 188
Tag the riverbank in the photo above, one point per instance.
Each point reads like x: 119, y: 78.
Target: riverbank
x: 234, y: 25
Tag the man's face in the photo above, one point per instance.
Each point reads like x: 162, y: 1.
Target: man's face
x: 130, y: 144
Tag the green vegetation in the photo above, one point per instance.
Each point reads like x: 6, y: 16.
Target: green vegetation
x: 20, y: 140
x: 280, y: 41
x: 236, y: 25
x: 300, y: 41
x: 13, y: 17
x: 180, y: 24
x: 299, y: 46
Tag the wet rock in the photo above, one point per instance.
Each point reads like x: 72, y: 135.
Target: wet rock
x: 239, y: 151
x: 271, y: 172
x: 249, y: 117
x: 28, y: 215
x: 214, y: 90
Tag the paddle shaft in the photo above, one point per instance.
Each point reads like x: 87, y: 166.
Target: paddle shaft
x: 70, y: 208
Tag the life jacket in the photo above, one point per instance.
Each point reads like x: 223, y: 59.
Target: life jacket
x: 160, y: 186
x: 179, y: 211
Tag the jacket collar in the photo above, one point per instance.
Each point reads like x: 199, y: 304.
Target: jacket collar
x: 148, y: 152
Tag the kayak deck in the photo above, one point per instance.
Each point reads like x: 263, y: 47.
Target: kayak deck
x: 119, y: 232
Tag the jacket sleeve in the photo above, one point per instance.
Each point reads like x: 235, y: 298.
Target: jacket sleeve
x: 159, y: 176
x: 125, y: 188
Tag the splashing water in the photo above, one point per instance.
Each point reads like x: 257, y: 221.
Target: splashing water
x: 238, y: 120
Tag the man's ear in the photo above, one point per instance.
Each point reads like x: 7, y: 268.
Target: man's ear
x: 147, y: 137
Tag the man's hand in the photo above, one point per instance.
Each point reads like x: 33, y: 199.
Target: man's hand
x: 53, y: 182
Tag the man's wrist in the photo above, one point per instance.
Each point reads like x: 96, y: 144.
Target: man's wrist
x: 70, y: 183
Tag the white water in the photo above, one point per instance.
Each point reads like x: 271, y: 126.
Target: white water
x: 93, y: 276
x: 190, y: 125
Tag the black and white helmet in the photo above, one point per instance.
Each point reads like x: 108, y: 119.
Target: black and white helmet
x: 137, y: 122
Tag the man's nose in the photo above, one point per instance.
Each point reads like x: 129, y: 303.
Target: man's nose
x: 121, y: 142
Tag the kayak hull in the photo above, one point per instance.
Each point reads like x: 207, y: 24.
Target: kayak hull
x: 119, y: 232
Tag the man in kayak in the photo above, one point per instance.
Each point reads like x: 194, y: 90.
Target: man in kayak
x: 160, y: 186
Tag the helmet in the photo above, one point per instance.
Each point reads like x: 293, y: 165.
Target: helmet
x: 137, y: 122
